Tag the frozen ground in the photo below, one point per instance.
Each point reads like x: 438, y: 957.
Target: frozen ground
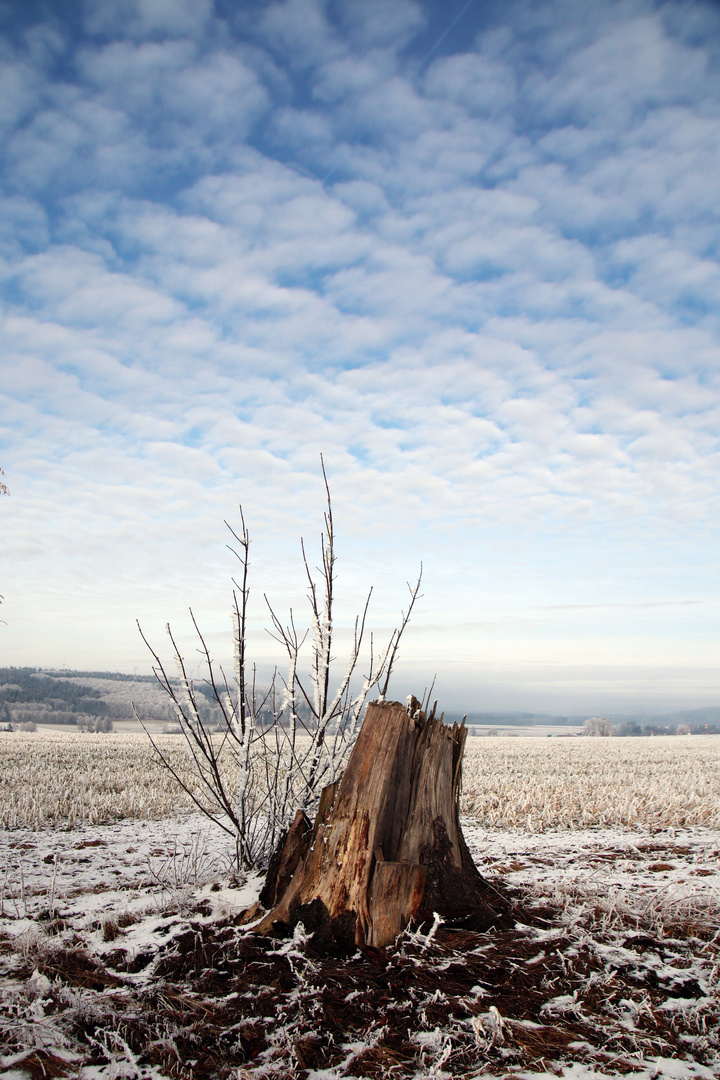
x: 125, y: 952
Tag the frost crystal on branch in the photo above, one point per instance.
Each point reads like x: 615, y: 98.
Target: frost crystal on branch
x: 259, y: 755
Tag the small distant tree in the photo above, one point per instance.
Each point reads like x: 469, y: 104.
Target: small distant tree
x: 103, y: 724
x: 95, y: 724
x: 598, y: 725
x: 270, y: 751
x: 628, y: 727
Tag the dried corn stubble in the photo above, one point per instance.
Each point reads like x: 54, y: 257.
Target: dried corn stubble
x: 50, y: 779
x: 537, y: 784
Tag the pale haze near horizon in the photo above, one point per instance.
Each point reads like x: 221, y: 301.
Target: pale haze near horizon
x: 467, y: 252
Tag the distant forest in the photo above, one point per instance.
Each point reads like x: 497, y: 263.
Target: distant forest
x: 31, y: 696
x: 113, y: 676
x: 28, y: 686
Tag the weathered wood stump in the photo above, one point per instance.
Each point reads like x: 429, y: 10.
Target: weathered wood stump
x: 386, y: 846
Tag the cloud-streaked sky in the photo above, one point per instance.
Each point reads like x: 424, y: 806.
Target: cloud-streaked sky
x: 468, y: 251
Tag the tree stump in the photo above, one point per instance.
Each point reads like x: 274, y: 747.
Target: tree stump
x: 386, y: 846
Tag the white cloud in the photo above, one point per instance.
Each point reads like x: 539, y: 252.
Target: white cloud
x: 146, y: 18
x: 19, y: 86
x: 300, y: 32
x: 373, y: 23
x: 481, y: 84
x: 497, y: 317
x: 23, y: 223
x: 167, y: 83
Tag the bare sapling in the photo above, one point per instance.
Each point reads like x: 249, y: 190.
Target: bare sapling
x: 270, y: 751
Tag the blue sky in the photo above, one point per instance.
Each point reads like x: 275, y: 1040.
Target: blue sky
x: 469, y: 252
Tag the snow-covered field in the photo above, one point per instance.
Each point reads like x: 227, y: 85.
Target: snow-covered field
x: 123, y: 951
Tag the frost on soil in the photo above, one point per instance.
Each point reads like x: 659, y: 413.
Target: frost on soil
x: 125, y: 952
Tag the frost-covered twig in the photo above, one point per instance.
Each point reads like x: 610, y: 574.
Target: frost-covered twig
x: 281, y: 748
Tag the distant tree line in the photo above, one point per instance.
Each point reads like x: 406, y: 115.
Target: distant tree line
x: 20, y: 685
x: 696, y: 727
x: 29, y: 697
x: 601, y: 726
x: 32, y: 696
x: 513, y: 719
x: 112, y: 676
x: 696, y: 721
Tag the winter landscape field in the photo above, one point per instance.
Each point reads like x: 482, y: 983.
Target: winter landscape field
x: 127, y: 947
x: 351, y: 348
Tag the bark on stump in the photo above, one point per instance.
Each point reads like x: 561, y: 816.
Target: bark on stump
x: 386, y: 846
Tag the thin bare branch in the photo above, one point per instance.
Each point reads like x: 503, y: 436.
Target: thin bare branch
x: 414, y: 596
x: 279, y: 749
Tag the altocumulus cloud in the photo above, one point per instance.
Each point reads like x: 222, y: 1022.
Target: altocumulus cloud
x: 469, y: 253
